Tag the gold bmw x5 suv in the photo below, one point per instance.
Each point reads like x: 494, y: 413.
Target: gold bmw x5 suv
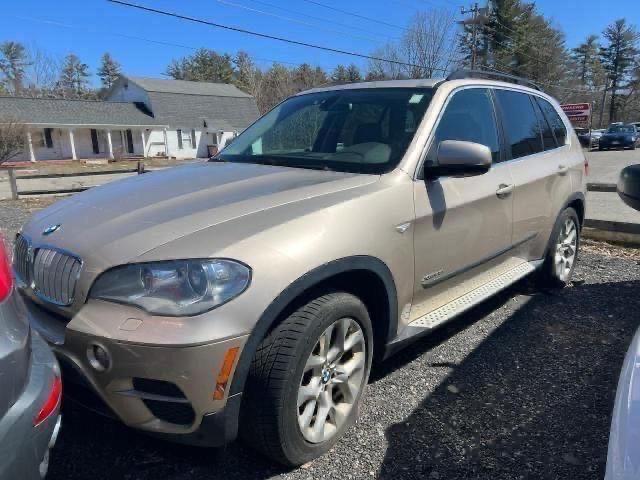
x: 248, y: 295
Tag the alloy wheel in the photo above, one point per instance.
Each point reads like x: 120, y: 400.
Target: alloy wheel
x: 331, y: 380
x: 566, y: 248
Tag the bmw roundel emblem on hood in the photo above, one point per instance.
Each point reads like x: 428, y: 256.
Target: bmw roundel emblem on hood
x: 50, y: 229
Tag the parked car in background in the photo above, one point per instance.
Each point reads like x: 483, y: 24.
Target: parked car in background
x: 251, y: 293
x: 619, y: 137
x: 589, y: 138
x: 30, y: 388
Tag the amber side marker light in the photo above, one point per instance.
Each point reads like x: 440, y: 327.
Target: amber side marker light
x: 225, y: 373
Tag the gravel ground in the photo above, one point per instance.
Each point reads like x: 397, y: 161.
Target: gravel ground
x: 521, y: 387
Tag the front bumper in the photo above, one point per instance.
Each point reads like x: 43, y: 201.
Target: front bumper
x: 24, y: 448
x: 163, y: 389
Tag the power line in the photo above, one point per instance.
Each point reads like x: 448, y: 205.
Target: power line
x: 294, y: 20
x: 264, y: 35
x: 313, y: 17
x: 131, y: 37
x: 353, y: 14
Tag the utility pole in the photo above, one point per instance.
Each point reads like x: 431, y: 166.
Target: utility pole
x: 478, y: 17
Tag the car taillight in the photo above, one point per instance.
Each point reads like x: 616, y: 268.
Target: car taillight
x: 586, y: 166
x: 51, y: 403
x: 6, y: 277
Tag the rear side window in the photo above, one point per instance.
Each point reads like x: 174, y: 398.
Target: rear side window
x: 548, y: 139
x: 469, y: 116
x: 520, y: 123
x: 554, y: 120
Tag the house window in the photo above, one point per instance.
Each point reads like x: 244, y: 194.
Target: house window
x: 47, y: 137
x: 179, y: 132
x: 193, y: 139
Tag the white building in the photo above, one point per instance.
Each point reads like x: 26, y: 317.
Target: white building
x: 141, y: 117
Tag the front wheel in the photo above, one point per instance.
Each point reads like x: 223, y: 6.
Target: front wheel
x: 562, y: 251
x: 307, y: 379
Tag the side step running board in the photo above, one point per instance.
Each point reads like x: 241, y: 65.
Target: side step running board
x: 461, y: 304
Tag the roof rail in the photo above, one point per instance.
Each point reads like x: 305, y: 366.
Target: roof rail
x: 489, y: 75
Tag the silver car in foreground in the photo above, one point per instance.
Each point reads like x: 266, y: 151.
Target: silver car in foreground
x: 30, y: 388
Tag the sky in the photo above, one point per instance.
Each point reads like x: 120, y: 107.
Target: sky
x: 145, y: 43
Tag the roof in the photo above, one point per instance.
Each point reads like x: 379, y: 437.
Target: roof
x: 412, y: 83
x: 185, y: 87
x: 49, y: 111
x: 193, y: 111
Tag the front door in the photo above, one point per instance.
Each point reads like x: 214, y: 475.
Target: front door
x: 463, y: 226
x: 129, y: 141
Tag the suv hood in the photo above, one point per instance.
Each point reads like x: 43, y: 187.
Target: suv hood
x: 122, y: 220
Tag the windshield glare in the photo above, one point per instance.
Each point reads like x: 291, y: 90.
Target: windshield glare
x: 622, y: 129
x: 363, y: 131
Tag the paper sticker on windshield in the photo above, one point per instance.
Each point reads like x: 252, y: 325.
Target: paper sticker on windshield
x: 416, y: 98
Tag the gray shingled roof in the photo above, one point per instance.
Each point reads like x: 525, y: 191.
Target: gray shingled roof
x: 74, y: 112
x: 190, y: 111
x: 189, y: 88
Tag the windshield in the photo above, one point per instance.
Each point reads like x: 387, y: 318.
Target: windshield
x: 622, y: 129
x: 362, y: 131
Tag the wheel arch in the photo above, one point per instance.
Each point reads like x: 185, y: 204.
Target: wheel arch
x: 341, y: 274
x: 578, y: 203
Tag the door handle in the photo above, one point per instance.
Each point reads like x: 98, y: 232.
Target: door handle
x: 562, y: 170
x: 504, y: 190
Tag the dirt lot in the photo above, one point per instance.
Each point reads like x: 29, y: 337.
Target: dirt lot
x: 521, y: 387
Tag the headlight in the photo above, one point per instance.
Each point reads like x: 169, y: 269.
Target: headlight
x: 174, y: 288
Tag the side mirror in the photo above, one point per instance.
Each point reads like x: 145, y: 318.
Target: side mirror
x: 460, y: 159
x: 629, y: 186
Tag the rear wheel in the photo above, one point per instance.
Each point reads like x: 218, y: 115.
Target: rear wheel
x: 562, y: 252
x: 307, y: 379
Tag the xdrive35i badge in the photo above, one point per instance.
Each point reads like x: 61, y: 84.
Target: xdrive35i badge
x: 50, y: 229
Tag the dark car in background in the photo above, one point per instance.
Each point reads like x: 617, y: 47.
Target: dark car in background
x: 589, y: 138
x: 30, y: 387
x: 619, y: 137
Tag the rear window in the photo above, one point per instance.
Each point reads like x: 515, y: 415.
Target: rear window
x: 554, y: 120
x: 521, y: 124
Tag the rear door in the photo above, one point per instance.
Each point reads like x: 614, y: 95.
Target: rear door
x: 538, y: 156
x: 463, y: 225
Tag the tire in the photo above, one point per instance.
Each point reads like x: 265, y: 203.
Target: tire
x: 271, y: 415
x: 551, y: 275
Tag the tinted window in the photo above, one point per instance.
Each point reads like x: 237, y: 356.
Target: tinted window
x: 548, y: 140
x: 520, y: 123
x: 469, y: 117
x: 554, y: 120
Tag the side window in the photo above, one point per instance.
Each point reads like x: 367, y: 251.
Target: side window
x: 469, y: 116
x: 554, y: 120
x: 548, y: 140
x: 520, y: 123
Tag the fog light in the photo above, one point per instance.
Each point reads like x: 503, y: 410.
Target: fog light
x: 98, y: 357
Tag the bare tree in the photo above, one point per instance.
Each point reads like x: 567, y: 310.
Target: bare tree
x: 386, y: 70
x: 43, y: 73
x: 12, y: 139
x: 430, y: 43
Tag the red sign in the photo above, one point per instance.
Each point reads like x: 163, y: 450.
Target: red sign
x: 573, y: 110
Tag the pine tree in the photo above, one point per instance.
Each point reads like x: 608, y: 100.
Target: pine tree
x: 339, y: 75
x: 353, y: 73
x: 617, y: 57
x: 203, y: 66
x: 109, y: 70
x: 585, y: 55
x: 13, y: 62
x: 74, y: 77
